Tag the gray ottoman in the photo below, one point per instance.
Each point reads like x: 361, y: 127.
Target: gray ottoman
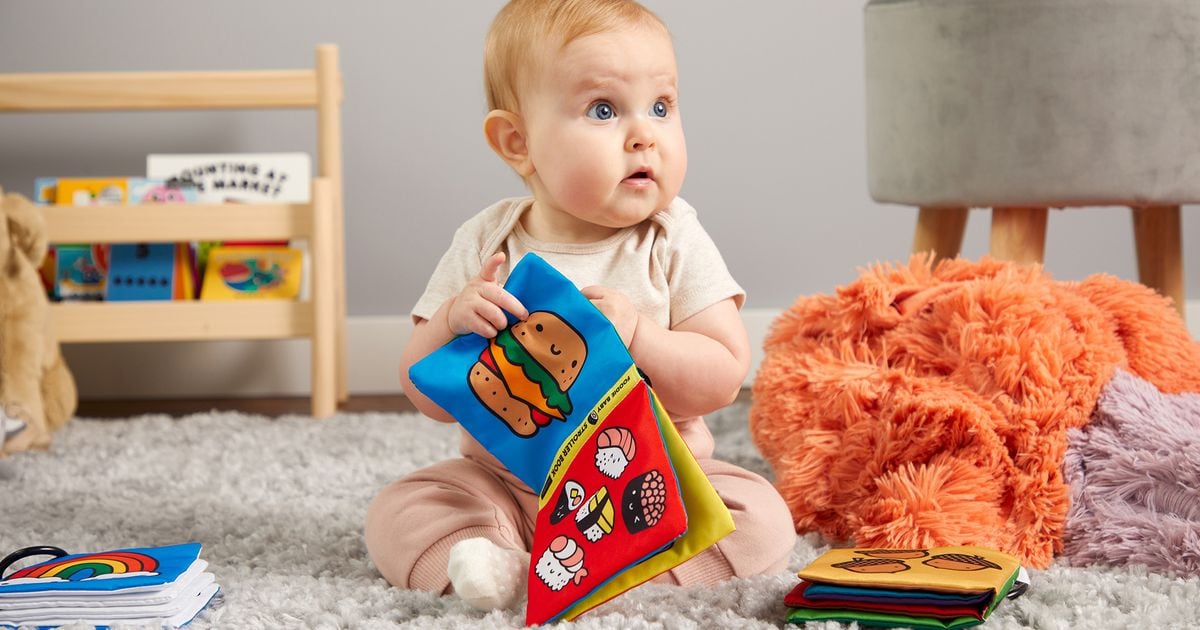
x: 1022, y: 105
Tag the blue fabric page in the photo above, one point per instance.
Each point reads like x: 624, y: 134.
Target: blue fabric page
x: 492, y: 386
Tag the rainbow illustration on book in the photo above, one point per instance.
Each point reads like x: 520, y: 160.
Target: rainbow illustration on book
x: 118, y: 569
x: 145, y: 587
x: 91, y: 566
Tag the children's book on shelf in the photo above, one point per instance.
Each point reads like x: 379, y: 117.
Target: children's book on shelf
x: 558, y: 400
x: 160, y: 586
x: 81, y: 269
x: 937, y: 588
x: 133, y: 271
x: 152, y: 271
x: 236, y: 178
x: 241, y: 273
x: 91, y: 191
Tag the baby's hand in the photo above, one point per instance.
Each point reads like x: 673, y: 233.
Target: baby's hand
x: 480, y: 307
x: 617, y: 308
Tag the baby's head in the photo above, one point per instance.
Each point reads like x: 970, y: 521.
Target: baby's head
x: 583, y: 100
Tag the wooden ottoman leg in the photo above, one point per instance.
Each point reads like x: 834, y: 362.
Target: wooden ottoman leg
x: 1156, y: 230
x: 940, y: 230
x: 1019, y: 234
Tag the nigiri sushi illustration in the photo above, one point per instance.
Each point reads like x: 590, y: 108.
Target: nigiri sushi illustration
x: 615, y: 448
x: 595, y: 518
x: 561, y: 563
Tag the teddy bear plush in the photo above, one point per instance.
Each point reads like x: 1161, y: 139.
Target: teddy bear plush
x: 36, y: 387
x: 921, y: 406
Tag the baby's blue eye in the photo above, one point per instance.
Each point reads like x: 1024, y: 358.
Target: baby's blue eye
x: 659, y: 109
x: 601, y: 111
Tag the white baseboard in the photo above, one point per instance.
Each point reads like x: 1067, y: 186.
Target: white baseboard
x: 236, y: 369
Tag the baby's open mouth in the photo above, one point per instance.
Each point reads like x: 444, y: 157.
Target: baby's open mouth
x: 640, y: 177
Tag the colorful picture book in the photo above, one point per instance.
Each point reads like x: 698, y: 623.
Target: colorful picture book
x: 150, y: 271
x: 154, y: 271
x: 239, y: 273
x: 937, y: 588
x: 160, y: 586
x: 80, y: 271
x: 558, y: 400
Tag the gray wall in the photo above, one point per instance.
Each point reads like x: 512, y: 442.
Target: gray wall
x: 772, y: 99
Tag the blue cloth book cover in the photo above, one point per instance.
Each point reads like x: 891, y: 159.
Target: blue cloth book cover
x: 103, y: 571
x: 158, y: 586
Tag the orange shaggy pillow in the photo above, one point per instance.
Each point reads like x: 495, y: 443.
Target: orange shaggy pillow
x: 923, y: 406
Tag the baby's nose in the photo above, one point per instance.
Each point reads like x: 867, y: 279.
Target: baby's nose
x: 640, y: 138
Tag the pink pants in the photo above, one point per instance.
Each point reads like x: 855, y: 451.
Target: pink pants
x: 413, y: 522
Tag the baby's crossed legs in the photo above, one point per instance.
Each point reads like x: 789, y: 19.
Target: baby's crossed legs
x: 413, y: 523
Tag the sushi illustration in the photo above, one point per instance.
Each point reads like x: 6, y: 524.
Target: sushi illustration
x: 561, y: 563
x: 615, y: 448
x: 569, y: 500
x: 644, y: 501
x: 595, y: 518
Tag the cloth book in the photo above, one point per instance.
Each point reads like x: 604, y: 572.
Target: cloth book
x: 936, y: 588
x: 558, y: 400
x: 164, y: 586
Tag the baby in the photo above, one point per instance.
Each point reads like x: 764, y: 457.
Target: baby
x: 584, y: 107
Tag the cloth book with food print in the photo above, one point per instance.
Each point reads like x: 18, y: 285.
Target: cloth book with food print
x: 557, y: 399
x: 936, y: 588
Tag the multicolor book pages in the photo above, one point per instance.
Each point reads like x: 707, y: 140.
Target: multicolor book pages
x: 939, y: 588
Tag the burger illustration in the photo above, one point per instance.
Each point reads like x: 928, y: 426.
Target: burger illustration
x: 523, y: 374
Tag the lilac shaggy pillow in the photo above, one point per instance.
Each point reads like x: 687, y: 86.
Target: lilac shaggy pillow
x: 1134, y: 474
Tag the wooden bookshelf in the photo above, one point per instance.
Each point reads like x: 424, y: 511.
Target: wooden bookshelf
x: 321, y: 318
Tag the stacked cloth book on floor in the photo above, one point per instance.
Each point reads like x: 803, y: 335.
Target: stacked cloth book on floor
x: 938, y: 588
x: 160, y: 586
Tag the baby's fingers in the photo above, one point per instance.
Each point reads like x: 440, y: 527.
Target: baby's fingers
x: 496, y: 294
x: 491, y: 267
x: 489, y: 320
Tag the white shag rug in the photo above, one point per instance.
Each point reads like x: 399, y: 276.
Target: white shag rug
x: 279, y: 503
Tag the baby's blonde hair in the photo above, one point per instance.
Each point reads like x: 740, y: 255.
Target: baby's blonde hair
x: 522, y: 25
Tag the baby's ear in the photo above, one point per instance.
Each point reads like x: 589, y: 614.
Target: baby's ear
x: 505, y: 133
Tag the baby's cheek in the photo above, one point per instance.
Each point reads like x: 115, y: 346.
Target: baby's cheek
x: 582, y: 186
